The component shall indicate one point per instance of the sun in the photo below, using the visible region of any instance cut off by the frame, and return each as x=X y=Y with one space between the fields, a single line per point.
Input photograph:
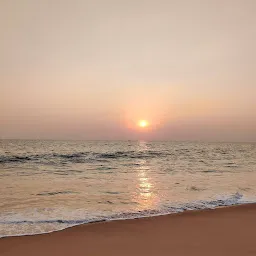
x=143 y=123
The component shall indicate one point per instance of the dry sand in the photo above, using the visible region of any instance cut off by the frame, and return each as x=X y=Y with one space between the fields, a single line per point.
x=224 y=231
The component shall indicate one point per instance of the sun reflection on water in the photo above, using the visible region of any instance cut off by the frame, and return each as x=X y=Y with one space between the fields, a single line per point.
x=145 y=195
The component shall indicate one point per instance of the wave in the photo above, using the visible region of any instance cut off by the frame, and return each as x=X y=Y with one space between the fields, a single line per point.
x=55 y=193
x=234 y=199
x=5 y=159
x=82 y=156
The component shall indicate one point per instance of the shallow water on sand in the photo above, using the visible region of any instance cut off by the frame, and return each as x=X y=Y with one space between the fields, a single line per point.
x=51 y=185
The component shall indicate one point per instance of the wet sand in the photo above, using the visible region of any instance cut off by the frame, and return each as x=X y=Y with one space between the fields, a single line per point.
x=224 y=231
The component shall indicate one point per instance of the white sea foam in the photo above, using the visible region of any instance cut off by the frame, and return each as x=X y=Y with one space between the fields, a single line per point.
x=18 y=225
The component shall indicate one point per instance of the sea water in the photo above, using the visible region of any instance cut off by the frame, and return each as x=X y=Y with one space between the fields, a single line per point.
x=51 y=185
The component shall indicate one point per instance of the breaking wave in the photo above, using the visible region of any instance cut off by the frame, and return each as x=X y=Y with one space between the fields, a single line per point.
x=59 y=224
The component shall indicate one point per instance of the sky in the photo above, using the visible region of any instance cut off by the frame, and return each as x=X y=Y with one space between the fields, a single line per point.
x=91 y=69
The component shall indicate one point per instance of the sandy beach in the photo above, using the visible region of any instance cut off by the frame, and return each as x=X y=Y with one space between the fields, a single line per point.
x=224 y=231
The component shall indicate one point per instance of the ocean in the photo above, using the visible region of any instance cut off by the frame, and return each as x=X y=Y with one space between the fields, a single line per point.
x=51 y=185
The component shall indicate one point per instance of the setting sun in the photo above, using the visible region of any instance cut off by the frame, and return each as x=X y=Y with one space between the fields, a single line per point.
x=143 y=123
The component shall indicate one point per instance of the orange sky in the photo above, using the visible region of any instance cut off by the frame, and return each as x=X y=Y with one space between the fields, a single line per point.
x=93 y=69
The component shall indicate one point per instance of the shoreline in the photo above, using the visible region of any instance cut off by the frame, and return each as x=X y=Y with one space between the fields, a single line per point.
x=230 y=231
x=131 y=218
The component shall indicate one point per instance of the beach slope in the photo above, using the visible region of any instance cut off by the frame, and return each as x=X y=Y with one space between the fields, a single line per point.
x=224 y=231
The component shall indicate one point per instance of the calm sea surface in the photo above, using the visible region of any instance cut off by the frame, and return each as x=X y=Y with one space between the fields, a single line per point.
x=51 y=185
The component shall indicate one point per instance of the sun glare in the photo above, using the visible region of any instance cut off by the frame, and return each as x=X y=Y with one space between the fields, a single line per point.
x=143 y=123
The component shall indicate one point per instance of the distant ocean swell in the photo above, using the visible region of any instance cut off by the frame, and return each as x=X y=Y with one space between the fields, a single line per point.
x=90 y=155
x=235 y=199
x=82 y=156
